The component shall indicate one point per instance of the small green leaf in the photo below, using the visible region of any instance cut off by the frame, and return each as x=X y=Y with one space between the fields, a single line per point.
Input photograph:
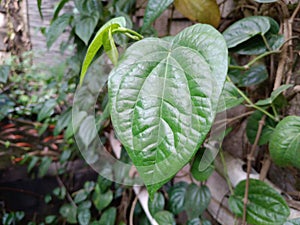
x=97 y=43
x=63 y=121
x=153 y=10
x=230 y=97
x=274 y=95
x=285 y=142
x=164 y=218
x=87 y=130
x=85 y=26
x=110 y=47
x=102 y=200
x=196 y=200
x=47 y=109
x=50 y=219
x=84 y=216
x=255 y=75
x=265 y=205
x=44 y=166
x=4 y=73
x=252 y=128
x=108 y=216
x=195 y=170
x=157 y=203
x=164 y=98
x=176 y=197
x=33 y=162
x=246 y=28
x=56 y=28
x=69 y=212
x=80 y=196
x=256 y=45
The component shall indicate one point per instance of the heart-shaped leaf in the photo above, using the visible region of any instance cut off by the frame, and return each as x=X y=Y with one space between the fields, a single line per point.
x=157 y=204
x=202 y=11
x=196 y=200
x=285 y=142
x=164 y=97
x=265 y=205
x=255 y=75
x=176 y=197
x=246 y=28
x=164 y=218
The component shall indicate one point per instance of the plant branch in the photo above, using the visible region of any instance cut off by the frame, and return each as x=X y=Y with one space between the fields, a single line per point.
x=251 y=104
x=249 y=64
x=132 y=210
x=250 y=158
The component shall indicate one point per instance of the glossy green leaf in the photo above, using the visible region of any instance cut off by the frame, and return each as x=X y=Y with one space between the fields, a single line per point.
x=201 y=175
x=110 y=48
x=84 y=216
x=265 y=205
x=153 y=10
x=63 y=121
x=50 y=219
x=164 y=98
x=108 y=216
x=256 y=45
x=85 y=26
x=97 y=43
x=56 y=28
x=102 y=200
x=164 y=218
x=44 y=166
x=255 y=75
x=87 y=130
x=246 y=28
x=69 y=212
x=80 y=196
x=252 y=128
x=285 y=142
x=230 y=97
x=176 y=197
x=275 y=94
x=47 y=109
x=4 y=72
x=157 y=203
x=196 y=200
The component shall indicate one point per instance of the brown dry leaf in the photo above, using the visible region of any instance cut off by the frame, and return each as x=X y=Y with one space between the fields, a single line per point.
x=202 y=11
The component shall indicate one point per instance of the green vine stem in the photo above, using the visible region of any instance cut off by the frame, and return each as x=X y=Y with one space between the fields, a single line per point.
x=251 y=104
x=249 y=64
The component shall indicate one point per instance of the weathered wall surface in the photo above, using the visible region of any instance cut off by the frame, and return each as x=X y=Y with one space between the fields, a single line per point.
x=38 y=40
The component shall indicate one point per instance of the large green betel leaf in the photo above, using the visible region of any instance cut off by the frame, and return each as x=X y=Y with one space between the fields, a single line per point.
x=265 y=205
x=285 y=142
x=164 y=97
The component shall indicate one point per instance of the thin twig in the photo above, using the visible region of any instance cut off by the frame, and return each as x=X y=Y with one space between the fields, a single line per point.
x=132 y=210
x=61 y=184
x=250 y=158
